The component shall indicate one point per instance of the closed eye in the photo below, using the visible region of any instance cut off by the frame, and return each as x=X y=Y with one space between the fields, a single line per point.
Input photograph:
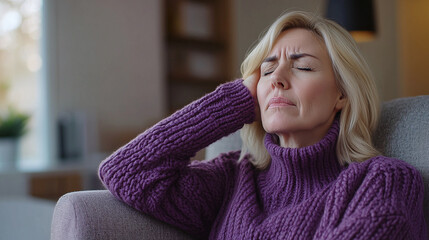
x=308 y=69
x=268 y=73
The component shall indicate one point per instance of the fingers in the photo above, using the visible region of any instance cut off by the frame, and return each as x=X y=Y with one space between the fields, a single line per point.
x=251 y=83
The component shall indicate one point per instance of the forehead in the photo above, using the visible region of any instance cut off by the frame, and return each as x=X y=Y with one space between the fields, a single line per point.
x=299 y=40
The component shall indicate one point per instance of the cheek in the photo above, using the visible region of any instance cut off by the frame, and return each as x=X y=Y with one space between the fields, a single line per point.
x=312 y=92
x=319 y=96
x=260 y=93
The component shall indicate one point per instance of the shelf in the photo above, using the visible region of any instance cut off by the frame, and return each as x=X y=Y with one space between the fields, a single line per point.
x=197 y=44
x=181 y=94
x=193 y=42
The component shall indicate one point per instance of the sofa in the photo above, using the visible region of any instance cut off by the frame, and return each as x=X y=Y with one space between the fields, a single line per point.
x=403 y=133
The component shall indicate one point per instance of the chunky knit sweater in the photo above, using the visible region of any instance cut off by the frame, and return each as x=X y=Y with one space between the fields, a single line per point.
x=303 y=194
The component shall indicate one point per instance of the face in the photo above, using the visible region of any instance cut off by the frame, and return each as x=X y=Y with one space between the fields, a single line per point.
x=297 y=93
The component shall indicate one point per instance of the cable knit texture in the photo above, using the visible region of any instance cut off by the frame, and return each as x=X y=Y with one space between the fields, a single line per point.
x=303 y=194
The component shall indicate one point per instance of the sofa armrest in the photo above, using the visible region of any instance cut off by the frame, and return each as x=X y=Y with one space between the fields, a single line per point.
x=98 y=214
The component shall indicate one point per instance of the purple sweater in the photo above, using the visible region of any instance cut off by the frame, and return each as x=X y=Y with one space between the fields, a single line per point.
x=303 y=194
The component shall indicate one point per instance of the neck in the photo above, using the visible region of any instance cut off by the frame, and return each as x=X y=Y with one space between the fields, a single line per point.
x=296 y=173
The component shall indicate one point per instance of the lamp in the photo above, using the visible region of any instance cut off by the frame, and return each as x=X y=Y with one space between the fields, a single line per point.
x=356 y=16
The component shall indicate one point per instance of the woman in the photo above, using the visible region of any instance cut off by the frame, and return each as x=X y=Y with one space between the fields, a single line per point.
x=308 y=169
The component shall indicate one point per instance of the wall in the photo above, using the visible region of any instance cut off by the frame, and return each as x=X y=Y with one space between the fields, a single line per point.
x=382 y=53
x=104 y=59
x=413 y=22
x=253 y=17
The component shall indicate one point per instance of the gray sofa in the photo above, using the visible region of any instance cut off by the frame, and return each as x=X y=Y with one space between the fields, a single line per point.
x=403 y=133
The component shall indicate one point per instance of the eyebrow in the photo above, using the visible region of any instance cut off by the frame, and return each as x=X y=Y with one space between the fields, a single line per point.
x=270 y=59
x=293 y=56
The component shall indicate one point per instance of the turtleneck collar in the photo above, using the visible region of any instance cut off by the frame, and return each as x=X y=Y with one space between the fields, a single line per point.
x=296 y=173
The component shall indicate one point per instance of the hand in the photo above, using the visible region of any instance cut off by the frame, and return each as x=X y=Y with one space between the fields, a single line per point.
x=251 y=82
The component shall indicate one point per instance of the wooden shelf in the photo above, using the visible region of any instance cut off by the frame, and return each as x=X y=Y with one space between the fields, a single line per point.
x=197 y=48
x=181 y=94
x=53 y=186
x=196 y=42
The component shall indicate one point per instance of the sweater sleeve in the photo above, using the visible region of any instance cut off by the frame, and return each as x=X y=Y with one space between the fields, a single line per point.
x=153 y=173
x=383 y=199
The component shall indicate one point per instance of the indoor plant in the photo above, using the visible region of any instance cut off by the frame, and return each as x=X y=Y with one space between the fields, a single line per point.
x=12 y=127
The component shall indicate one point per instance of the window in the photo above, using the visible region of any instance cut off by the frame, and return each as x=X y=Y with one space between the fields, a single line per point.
x=20 y=64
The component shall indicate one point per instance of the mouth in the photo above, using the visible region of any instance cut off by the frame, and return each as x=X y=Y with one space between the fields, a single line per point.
x=280 y=102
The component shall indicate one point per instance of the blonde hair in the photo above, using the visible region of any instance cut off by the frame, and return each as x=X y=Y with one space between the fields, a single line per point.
x=359 y=116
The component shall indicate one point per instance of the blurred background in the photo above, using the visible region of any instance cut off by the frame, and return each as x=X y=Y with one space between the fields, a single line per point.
x=80 y=78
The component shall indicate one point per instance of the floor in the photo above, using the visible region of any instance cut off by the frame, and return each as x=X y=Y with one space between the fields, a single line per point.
x=25 y=218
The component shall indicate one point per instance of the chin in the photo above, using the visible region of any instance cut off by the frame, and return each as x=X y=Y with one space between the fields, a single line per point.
x=276 y=129
x=276 y=125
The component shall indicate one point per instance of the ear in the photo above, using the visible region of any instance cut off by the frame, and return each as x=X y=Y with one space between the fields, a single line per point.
x=341 y=102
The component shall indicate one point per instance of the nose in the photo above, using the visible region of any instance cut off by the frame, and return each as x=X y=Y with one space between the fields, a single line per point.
x=280 y=78
x=280 y=84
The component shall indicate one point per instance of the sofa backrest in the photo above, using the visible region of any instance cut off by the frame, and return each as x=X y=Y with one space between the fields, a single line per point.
x=403 y=133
